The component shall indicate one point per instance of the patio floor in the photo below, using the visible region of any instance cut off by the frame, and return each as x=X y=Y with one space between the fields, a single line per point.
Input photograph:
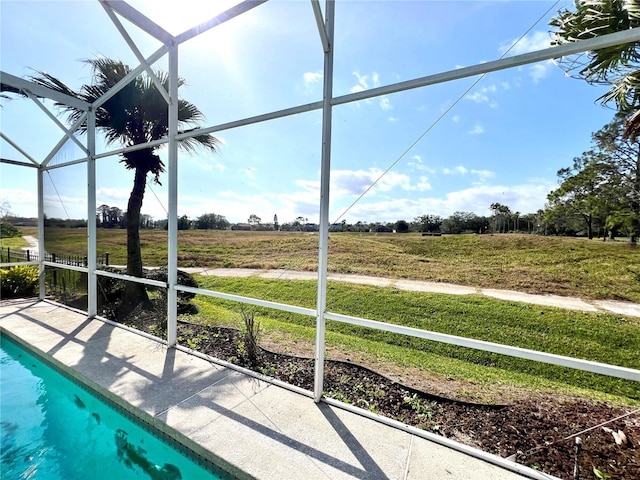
x=264 y=430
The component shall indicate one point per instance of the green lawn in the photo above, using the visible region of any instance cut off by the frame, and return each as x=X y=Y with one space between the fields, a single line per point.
x=589 y=269
x=533 y=264
x=592 y=336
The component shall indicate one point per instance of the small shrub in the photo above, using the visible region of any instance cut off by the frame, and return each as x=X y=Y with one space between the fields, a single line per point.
x=251 y=336
x=19 y=281
x=8 y=230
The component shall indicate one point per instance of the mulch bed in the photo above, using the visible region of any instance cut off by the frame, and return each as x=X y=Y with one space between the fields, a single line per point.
x=541 y=430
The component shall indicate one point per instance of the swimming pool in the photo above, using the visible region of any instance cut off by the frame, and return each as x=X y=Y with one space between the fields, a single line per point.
x=52 y=428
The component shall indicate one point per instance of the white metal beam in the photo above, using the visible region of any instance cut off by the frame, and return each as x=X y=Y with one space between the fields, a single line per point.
x=92 y=249
x=136 y=51
x=64 y=140
x=130 y=76
x=218 y=19
x=172 y=227
x=68 y=132
x=612 y=39
x=16 y=162
x=308 y=107
x=43 y=92
x=140 y=20
x=41 y=251
x=317 y=12
x=578 y=364
x=325 y=178
x=19 y=149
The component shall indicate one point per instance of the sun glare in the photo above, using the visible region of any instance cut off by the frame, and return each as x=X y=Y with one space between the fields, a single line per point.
x=179 y=16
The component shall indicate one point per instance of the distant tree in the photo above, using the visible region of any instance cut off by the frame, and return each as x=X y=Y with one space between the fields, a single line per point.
x=603 y=185
x=254 y=220
x=427 y=223
x=184 y=223
x=461 y=222
x=501 y=214
x=212 y=221
x=146 y=221
x=299 y=223
x=103 y=214
x=402 y=226
x=5 y=209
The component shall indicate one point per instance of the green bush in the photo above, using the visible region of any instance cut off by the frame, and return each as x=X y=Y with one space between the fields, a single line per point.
x=19 y=281
x=7 y=230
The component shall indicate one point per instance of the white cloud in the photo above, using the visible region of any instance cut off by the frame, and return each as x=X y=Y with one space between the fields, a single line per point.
x=385 y=103
x=363 y=83
x=455 y=118
x=524 y=198
x=478 y=97
x=482 y=95
x=370 y=81
x=537 y=40
x=540 y=70
x=312 y=77
x=250 y=172
x=457 y=170
x=21 y=202
x=483 y=174
x=477 y=129
x=355 y=182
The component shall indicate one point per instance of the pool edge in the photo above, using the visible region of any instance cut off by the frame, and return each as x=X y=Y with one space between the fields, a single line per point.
x=145 y=420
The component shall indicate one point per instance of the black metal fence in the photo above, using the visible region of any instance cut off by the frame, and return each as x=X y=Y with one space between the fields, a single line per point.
x=8 y=255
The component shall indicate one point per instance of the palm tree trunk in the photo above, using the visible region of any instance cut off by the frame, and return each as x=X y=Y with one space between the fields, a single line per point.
x=135 y=293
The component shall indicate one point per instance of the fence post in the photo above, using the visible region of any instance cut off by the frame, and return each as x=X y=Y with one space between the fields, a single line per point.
x=106 y=259
x=28 y=256
x=86 y=261
x=55 y=272
x=8 y=255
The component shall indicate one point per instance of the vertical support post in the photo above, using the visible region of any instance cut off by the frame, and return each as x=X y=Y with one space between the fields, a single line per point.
x=172 y=228
x=41 y=250
x=325 y=174
x=92 y=249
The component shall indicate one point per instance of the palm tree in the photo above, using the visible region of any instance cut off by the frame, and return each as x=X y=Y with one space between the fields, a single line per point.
x=135 y=115
x=618 y=66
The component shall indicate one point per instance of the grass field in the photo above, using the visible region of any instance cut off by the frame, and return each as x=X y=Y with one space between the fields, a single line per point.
x=589 y=269
x=597 y=337
x=565 y=266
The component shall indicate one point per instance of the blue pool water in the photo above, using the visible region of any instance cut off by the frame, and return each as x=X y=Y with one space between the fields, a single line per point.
x=51 y=428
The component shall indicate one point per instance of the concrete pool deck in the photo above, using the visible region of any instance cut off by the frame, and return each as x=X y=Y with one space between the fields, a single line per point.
x=264 y=430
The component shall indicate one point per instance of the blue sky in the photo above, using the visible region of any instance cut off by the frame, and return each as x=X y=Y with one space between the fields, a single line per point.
x=503 y=142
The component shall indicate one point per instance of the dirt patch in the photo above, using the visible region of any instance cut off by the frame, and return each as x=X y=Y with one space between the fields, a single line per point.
x=541 y=431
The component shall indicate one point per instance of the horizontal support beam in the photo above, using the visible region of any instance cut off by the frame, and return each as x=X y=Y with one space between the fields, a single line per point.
x=251 y=120
x=141 y=21
x=19 y=149
x=612 y=39
x=218 y=19
x=42 y=92
x=63 y=266
x=251 y=301
x=578 y=364
x=17 y=264
x=131 y=278
x=16 y=162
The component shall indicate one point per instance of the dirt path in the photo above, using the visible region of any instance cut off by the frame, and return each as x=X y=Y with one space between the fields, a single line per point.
x=570 y=303
x=32 y=241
